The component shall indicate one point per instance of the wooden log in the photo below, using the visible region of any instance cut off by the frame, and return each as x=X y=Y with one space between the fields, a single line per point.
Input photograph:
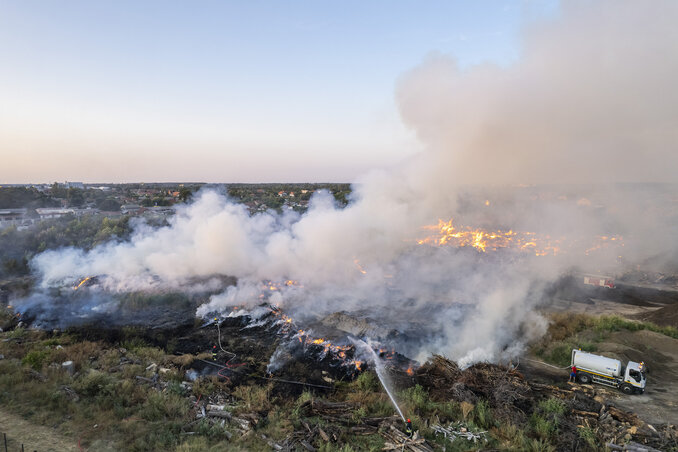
x=307 y=446
x=323 y=434
x=585 y=413
x=270 y=443
x=623 y=416
x=220 y=414
x=306 y=426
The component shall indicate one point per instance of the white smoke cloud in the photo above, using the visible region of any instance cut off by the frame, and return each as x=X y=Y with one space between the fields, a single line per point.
x=591 y=100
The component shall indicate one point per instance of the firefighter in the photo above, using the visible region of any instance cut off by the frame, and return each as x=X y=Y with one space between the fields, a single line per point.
x=408 y=428
x=573 y=374
x=214 y=353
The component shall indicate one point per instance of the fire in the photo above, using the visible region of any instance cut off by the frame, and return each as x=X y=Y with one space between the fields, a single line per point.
x=410 y=371
x=275 y=286
x=360 y=267
x=602 y=242
x=304 y=337
x=82 y=282
x=446 y=233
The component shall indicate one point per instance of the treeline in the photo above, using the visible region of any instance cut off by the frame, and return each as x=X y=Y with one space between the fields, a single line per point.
x=18 y=247
x=18 y=197
x=268 y=193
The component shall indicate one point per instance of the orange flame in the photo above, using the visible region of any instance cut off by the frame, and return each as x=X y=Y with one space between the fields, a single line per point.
x=83 y=282
x=446 y=233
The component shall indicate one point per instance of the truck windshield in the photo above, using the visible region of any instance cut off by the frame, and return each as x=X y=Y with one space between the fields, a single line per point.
x=636 y=375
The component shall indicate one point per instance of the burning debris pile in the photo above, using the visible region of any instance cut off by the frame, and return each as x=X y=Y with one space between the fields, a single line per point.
x=446 y=234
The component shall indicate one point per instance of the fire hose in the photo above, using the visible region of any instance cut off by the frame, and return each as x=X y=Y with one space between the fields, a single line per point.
x=545 y=364
x=260 y=376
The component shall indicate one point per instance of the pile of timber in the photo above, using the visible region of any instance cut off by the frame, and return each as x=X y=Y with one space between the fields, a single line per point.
x=397 y=440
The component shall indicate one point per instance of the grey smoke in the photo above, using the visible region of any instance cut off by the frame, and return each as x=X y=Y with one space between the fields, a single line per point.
x=591 y=101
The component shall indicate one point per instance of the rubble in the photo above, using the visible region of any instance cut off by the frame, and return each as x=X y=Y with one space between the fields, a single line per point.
x=459 y=430
x=397 y=440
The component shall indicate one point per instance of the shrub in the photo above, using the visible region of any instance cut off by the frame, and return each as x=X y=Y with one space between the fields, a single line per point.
x=163 y=407
x=417 y=398
x=553 y=406
x=546 y=418
x=589 y=436
x=36 y=358
x=482 y=415
x=367 y=381
x=95 y=383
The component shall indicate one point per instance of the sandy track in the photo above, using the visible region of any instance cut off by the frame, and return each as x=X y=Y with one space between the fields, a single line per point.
x=33 y=437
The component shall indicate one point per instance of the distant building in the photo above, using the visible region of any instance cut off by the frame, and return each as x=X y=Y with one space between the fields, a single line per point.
x=48 y=213
x=74 y=185
x=130 y=208
x=158 y=211
x=13 y=217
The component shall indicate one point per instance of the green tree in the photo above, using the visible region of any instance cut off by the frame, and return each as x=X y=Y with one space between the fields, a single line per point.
x=109 y=205
x=185 y=193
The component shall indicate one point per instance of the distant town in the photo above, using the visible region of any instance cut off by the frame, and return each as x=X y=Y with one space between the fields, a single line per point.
x=22 y=206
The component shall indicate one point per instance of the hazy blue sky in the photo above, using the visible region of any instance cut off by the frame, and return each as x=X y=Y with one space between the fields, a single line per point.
x=225 y=91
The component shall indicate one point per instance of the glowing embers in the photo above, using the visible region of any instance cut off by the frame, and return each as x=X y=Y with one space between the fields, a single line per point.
x=343 y=354
x=359 y=267
x=275 y=286
x=604 y=241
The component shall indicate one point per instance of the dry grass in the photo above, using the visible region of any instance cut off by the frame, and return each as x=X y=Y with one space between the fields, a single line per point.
x=254 y=398
x=182 y=361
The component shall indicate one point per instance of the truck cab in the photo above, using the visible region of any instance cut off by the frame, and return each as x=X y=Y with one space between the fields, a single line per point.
x=635 y=377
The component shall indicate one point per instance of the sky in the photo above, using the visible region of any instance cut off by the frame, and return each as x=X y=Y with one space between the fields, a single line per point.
x=226 y=91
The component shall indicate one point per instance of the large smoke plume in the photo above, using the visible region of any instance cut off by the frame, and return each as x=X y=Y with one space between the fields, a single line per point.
x=591 y=100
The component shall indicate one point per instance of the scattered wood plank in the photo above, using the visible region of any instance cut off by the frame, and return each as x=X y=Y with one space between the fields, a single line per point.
x=220 y=414
x=323 y=435
x=585 y=413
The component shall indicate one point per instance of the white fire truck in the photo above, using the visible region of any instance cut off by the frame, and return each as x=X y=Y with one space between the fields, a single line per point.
x=609 y=372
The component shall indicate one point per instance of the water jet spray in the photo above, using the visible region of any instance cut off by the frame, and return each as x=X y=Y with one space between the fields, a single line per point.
x=379 y=368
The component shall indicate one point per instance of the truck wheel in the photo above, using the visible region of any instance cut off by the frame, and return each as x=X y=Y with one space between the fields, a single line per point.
x=626 y=389
x=584 y=379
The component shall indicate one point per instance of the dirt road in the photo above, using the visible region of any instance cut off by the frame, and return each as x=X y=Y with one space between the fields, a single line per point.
x=659 y=403
x=33 y=437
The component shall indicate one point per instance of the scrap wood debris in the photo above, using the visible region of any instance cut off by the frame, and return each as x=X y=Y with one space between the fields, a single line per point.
x=459 y=430
x=397 y=440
